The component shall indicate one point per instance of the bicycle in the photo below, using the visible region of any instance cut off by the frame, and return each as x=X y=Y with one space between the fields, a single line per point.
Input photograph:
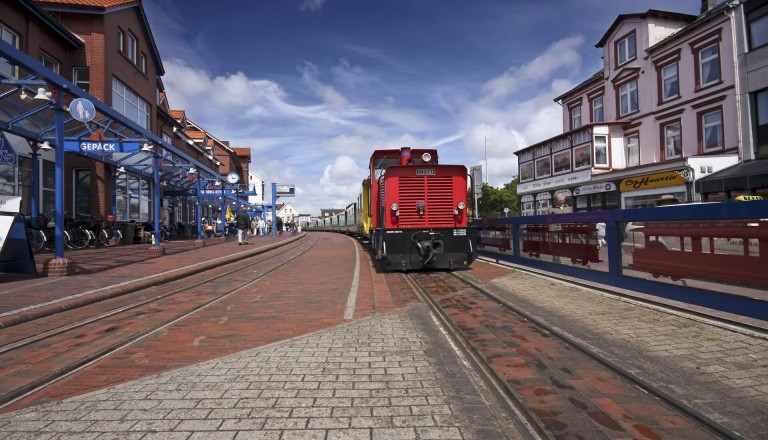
x=34 y=233
x=108 y=234
x=79 y=236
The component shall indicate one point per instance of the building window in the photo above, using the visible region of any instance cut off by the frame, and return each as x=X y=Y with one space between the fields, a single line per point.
x=673 y=140
x=712 y=130
x=628 y=98
x=761 y=119
x=133 y=198
x=633 y=149
x=625 y=49
x=81 y=76
x=120 y=41
x=670 y=86
x=129 y=104
x=758 y=28
x=83 y=194
x=49 y=62
x=130 y=48
x=143 y=63
x=601 y=150
x=575 y=117
x=709 y=65
x=597 y=110
x=7 y=69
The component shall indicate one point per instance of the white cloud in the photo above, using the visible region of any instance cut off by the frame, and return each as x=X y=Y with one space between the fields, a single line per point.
x=561 y=55
x=342 y=179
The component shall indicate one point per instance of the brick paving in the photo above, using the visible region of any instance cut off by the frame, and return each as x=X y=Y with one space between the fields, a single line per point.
x=721 y=373
x=276 y=361
x=303 y=372
x=386 y=377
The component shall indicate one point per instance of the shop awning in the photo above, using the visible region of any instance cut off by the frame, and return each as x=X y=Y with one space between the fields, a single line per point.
x=742 y=177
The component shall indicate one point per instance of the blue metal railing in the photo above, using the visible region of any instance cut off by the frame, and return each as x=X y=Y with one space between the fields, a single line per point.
x=704 y=265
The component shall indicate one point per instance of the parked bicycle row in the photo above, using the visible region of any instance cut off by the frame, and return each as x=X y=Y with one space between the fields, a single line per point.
x=79 y=233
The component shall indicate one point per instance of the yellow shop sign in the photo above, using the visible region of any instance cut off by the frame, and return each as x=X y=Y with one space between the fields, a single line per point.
x=648 y=181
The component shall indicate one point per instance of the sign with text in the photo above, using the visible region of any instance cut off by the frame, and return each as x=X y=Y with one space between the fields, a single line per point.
x=101 y=147
x=285 y=190
x=656 y=180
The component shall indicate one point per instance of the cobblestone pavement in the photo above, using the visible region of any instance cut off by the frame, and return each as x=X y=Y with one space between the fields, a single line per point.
x=386 y=377
x=720 y=372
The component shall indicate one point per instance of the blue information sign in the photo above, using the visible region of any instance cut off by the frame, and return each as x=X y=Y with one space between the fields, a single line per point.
x=82 y=109
x=101 y=147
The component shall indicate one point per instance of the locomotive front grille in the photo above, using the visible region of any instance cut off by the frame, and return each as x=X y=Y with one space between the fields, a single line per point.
x=437 y=194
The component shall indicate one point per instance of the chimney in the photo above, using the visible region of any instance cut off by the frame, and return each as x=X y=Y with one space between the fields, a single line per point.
x=706 y=5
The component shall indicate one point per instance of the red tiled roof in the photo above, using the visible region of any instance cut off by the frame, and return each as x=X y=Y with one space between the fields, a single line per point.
x=176 y=114
x=106 y=4
x=195 y=134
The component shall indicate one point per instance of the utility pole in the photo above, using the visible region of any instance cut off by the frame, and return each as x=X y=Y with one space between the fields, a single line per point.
x=486 y=159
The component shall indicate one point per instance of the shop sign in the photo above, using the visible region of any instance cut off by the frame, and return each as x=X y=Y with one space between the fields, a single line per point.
x=101 y=147
x=554 y=182
x=594 y=188
x=656 y=180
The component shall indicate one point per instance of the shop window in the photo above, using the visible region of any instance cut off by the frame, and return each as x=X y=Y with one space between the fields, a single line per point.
x=132 y=198
x=527 y=205
x=596 y=202
x=612 y=200
x=543 y=201
x=6 y=68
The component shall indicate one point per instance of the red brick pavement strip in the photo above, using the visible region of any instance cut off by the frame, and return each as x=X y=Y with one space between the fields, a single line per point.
x=568 y=392
x=108 y=272
x=306 y=296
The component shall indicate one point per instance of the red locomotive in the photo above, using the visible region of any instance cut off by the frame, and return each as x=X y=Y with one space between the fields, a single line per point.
x=418 y=211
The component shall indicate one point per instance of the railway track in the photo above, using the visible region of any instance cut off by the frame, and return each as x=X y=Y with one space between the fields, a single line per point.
x=40 y=353
x=553 y=383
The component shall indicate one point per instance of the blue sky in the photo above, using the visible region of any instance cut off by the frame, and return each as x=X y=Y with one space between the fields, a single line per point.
x=314 y=86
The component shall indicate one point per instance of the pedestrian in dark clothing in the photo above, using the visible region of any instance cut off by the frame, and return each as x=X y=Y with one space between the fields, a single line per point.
x=279 y=227
x=242 y=223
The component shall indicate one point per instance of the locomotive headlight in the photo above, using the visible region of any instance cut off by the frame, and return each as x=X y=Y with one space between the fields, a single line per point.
x=461 y=206
x=393 y=206
x=426 y=157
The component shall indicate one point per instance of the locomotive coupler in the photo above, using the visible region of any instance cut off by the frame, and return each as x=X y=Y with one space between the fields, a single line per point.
x=429 y=244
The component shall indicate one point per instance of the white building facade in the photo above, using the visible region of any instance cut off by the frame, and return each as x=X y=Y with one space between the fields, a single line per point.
x=661 y=114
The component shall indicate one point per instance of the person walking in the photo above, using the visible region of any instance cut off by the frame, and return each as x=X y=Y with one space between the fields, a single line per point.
x=560 y=207
x=242 y=223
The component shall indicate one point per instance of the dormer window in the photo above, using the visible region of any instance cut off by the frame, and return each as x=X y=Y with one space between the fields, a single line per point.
x=626 y=50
